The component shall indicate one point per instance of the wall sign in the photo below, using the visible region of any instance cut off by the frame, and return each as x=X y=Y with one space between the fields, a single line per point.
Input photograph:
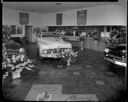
x=24 y=18
x=59 y=19
x=81 y=17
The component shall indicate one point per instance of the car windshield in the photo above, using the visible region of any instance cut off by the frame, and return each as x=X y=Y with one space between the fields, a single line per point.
x=49 y=35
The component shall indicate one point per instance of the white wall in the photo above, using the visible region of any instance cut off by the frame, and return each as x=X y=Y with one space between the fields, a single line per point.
x=11 y=17
x=106 y=15
x=49 y=19
x=69 y=17
x=100 y=15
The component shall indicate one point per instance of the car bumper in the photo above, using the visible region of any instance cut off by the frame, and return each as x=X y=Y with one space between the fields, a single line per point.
x=116 y=62
x=50 y=56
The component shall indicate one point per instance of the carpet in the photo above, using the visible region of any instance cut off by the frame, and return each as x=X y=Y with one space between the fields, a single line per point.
x=54 y=93
x=74 y=67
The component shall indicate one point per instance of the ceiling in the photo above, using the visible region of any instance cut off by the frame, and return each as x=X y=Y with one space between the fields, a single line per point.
x=50 y=7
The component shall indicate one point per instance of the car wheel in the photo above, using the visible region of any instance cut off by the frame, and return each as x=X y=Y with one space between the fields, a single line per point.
x=111 y=67
x=38 y=55
x=38 y=52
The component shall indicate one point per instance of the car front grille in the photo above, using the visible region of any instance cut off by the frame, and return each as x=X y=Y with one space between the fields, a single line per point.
x=49 y=51
x=116 y=57
x=115 y=54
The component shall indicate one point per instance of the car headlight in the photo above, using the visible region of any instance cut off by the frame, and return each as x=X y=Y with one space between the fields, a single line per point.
x=44 y=51
x=106 y=50
x=123 y=51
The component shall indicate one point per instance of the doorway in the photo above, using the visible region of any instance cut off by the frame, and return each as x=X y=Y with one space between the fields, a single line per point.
x=28 y=33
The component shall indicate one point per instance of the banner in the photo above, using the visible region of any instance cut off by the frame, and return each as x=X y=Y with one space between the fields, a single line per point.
x=81 y=17
x=24 y=18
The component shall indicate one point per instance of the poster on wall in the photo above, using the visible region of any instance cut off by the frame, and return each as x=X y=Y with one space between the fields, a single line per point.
x=59 y=19
x=24 y=18
x=81 y=17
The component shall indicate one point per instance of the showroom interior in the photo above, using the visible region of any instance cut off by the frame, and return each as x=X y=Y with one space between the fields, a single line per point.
x=64 y=51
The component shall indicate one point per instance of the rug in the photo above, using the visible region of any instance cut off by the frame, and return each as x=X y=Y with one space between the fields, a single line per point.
x=74 y=67
x=36 y=89
x=54 y=93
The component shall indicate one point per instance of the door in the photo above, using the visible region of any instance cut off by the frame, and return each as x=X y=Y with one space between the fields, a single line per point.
x=28 y=33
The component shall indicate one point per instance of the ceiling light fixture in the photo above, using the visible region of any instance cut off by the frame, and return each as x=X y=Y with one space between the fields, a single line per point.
x=58 y=3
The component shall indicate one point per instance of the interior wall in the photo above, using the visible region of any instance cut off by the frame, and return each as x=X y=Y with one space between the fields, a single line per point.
x=106 y=15
x=69 y=18
x=49 y=19
x=11 y=17
x=100 y=15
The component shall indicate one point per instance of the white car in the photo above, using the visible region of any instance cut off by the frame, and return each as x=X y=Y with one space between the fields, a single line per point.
x=50 y=45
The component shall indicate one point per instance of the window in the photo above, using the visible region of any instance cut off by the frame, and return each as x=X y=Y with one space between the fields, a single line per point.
x=108 y=28
x=16 y=29
x=19 y=29
x=13 y=27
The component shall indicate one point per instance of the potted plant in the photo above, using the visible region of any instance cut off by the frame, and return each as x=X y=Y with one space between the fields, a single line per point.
x=68 y=55
x=6 y=32
x=14 y=64
x=36 y=30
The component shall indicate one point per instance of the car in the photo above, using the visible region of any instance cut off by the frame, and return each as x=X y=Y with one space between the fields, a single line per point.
x=11 y=47
x=69 y=37
x=50 y=45
x=116 y=55
x=21 y=40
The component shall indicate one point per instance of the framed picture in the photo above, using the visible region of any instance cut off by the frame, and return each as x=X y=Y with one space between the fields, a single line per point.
x=24 y=18
x=81 y=17
x=59 y=19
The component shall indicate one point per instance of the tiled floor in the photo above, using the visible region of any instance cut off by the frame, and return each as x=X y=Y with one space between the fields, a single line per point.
x=88 y=75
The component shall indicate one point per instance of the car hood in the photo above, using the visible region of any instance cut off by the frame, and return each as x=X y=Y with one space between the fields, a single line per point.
x=13 y=45
x=54 y=43
x=120 y=47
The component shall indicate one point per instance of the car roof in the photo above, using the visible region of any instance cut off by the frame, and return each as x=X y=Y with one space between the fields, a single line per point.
x=46 y=33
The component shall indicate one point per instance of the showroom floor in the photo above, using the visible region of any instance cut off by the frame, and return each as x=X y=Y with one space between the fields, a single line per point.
x=89 y=75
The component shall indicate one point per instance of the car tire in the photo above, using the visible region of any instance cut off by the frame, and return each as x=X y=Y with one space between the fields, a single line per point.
x=111 y=67
x=37 y=52
x=38 y=55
